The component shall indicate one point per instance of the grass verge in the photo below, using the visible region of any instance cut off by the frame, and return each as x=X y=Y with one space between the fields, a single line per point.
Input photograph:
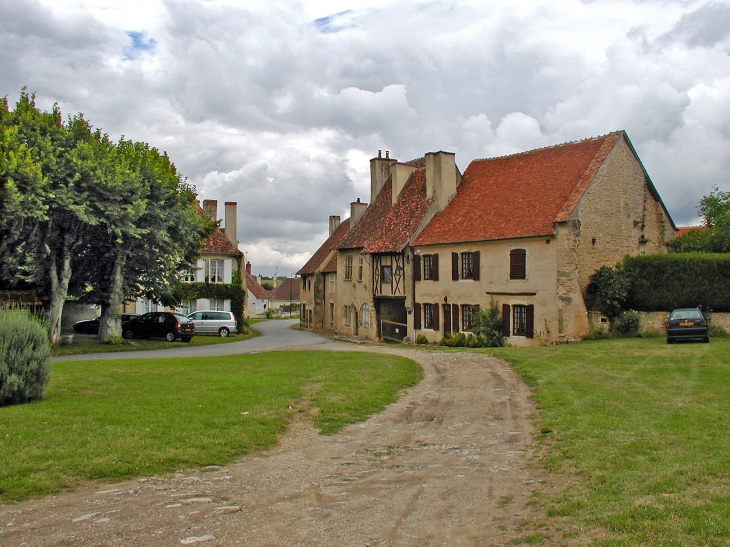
x=646 y=427
x=87 y=343
x=111 y=420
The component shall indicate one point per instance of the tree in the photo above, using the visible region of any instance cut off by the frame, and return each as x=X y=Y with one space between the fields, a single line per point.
x=714 y=235
x=608 y=291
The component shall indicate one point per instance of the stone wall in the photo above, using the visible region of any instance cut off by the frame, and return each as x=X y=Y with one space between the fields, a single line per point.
x=655 y=320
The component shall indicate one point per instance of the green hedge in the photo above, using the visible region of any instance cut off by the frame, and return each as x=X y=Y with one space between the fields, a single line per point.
x=686 y=280
x=24 y=352
x=216 y=291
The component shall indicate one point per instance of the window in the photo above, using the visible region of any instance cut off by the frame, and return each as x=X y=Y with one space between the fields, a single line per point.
x=348 y=268
x=332 y=313
x=148 y=306
x=519 y=320
x=517 y=264
x=332 y=284
x=309 y=283
x=365 y=316
x=467 y=317
x=428 y=316
x=188 y=277
x=359 y=269
x=386 y=274
x=346 y=316
x=304 y=283
x=216 y=271
x=427 y=267
x=187 y=307
x=467 y=265
x=216 y=305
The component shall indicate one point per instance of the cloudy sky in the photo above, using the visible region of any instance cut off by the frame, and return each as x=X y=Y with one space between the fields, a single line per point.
x=279 y=105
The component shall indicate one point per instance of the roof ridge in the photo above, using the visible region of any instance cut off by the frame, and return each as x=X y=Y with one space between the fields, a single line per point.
x=551 y=146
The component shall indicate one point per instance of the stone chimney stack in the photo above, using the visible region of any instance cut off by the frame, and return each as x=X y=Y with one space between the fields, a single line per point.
x=400 y=174
x=210 y=208
x=356 y=211
x=248 y=268
x=231 y=223
x=334 y=224
x=440 y=178
x=379 y=173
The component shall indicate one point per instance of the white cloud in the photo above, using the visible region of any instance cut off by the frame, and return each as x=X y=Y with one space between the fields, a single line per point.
x=260 y=103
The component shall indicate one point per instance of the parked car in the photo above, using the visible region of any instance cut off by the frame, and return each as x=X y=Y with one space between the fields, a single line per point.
x=165 y=325
x=214 y=322
x=91 y=326
x=687 y=323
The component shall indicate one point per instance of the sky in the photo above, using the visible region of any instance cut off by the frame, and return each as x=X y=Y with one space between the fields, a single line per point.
x=280 y=105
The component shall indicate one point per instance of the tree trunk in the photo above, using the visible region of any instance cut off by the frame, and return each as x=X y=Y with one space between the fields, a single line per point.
x=60 y=274
x=110 y=322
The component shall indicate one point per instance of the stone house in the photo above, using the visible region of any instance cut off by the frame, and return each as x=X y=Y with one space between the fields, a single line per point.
x=257 y=298
x=285 y=295
x=526 y=231
x=219 y=262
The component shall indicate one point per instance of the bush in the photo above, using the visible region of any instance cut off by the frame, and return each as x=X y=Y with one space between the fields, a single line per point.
x=607 y=291
x=421 y=339
x=670 y=281
x=24 y=352
x=626 y=325
x=488 y=325
x=114 y=340
x=598 y=334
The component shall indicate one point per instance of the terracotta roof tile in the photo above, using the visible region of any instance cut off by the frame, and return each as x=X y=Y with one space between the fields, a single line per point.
x=289 y=289
x=681 y=230
x=360 y=233
x=257 y=290
x=521 y=195
x=314 y=263
x=331 y=266
x=404 y=217
x=217 y=243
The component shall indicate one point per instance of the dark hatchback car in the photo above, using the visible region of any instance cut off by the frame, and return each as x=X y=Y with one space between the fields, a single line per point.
x=165 y=325
x=91 y=326
x=687 y=323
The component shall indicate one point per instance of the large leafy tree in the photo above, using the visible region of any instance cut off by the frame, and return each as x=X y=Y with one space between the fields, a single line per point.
x=714 y=235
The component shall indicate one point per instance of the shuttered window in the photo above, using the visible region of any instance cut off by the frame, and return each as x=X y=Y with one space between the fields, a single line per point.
x=467 y=266
x=517 y=264
x=467 y=317
x=428 y=316
x=519 y=320
x=417 y=316
x=427 y=266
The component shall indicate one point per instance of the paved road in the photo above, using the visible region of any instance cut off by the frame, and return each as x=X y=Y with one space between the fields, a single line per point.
x=275 y=334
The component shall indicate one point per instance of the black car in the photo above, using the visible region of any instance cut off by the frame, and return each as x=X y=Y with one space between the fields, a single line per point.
x=687 y=323
x=165 y=325
x=91 y=326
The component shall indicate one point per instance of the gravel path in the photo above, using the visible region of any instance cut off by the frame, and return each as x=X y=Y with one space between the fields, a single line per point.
x=447 y=464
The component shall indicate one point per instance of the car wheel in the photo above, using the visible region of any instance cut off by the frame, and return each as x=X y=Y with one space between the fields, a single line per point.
x=186 y=339
x=128 y=334
x=223 y=332
x=170 y=337
x=669 y=340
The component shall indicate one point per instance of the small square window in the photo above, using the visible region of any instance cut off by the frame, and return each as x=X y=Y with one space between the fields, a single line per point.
x=386 y=274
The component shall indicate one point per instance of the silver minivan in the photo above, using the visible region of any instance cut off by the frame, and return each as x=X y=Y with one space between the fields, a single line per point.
x=214 y=322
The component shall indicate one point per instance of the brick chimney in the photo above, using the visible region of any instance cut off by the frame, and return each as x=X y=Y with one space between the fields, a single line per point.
x=210 y=208
x=356 y=211
x=440 y=178
x=400 y=174
x=379 y=173
x=231 y=223
x=248 y=268
x=334 y=224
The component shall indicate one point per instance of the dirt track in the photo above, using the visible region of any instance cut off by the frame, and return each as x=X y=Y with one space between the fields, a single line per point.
x=448 y=464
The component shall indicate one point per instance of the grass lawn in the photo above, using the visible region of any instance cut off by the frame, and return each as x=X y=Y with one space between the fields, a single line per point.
x=88 y=343
x=111 y=420
x=645 y=426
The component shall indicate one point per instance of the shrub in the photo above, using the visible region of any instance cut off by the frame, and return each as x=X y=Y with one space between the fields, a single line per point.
x=421 y=339
x=114 y=340
x=488 y=324
x=627 y=324
x=24 y=352
x=598 y=334
x=608 y=291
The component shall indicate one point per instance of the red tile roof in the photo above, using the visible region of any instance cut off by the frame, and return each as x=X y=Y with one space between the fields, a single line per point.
x=521 y=195
x=331 y=266
x=399 y=225
x=289 y=289
x=257 y=290
x=314 y=263
x=359 y=235
x=217 y=243
x=681 y=230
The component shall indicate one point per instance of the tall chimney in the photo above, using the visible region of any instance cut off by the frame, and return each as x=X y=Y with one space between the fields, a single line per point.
x=231 y=223
x=248 y=268
x=334 y=224
x=400 y=173
x=210 y=208
x=440 y=178
x=356 y=211
x=379 y=173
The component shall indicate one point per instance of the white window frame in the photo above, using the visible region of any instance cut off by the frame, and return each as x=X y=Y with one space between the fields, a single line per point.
x=216 y=305
x=365 y=315
x=216 y=271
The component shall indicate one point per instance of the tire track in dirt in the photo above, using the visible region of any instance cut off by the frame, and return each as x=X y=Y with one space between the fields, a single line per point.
x=447 y=464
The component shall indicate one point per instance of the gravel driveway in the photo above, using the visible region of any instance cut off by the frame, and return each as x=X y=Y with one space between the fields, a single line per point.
x=447 y=464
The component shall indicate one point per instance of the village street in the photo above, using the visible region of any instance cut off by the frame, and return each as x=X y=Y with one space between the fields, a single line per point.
x=448 y=464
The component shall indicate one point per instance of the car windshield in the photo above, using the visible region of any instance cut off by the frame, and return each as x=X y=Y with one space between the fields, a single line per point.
x=686 y=314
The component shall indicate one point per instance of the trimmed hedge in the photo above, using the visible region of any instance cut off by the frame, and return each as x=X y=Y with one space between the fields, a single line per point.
x=685 y=280
x=24 y=352
x=215 y=291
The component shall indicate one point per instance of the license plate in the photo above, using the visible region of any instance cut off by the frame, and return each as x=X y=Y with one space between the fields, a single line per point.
x=686 y=324
x=188 y=329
